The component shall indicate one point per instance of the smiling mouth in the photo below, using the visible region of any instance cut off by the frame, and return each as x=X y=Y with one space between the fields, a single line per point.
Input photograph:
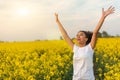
x=78 y=39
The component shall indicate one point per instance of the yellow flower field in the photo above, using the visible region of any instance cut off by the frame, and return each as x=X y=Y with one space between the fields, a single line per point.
x=107 y=59
x=52 y=60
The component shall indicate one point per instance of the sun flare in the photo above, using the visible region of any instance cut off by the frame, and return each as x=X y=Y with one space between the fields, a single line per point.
x=23 y=12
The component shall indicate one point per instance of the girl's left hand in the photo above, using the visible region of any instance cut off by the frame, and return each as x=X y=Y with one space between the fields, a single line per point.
x=107 y=12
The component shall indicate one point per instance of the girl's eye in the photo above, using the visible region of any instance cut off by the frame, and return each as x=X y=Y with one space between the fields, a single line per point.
x=79 y=35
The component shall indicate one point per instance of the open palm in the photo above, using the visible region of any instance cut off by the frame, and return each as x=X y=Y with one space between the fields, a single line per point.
x=107 y=12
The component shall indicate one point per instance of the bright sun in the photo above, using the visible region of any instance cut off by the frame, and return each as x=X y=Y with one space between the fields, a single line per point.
x=23 y=12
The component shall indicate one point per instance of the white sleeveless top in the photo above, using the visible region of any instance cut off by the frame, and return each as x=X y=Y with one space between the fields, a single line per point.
x=83 y=63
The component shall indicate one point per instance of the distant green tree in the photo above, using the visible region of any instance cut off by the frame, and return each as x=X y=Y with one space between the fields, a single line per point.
x=1 y=41
x=105 y=34
x=99 y=34
x=61 y=38
x=117 y=35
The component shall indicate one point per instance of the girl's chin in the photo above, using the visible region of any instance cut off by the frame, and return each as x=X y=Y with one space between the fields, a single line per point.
x=78 y=41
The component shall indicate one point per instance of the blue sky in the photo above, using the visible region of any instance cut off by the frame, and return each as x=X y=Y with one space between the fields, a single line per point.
x=26 y=20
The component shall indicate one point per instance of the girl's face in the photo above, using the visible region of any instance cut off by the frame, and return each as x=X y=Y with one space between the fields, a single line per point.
x=81 y=38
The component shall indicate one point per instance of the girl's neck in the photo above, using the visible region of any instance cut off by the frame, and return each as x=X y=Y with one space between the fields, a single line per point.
x=82 y=45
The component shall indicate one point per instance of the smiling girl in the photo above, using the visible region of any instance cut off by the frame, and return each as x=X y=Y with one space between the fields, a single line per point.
x=83 y=53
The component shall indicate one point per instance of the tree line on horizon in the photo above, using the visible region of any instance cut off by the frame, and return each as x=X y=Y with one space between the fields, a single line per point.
x=103 y=34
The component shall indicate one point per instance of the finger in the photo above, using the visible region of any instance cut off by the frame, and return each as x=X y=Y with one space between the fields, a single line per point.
x=102 y=9
x=109 y=7
x=111 y=12
x=113 y=9
x=56 y=14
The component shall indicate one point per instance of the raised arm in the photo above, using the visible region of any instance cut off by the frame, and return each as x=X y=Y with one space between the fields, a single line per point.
x=109 y=11
x=63 y=32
